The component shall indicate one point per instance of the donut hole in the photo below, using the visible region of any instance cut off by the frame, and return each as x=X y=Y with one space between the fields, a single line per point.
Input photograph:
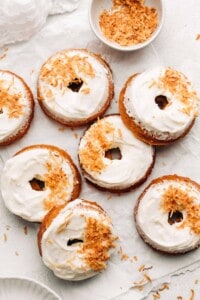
x=75 y=85
x=175 y=217
x=74 y=241
x=113 y=153
x=161 y=101
x=37 y=184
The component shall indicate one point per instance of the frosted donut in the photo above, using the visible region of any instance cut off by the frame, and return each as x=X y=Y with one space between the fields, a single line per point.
x=38 y=178
x=167 y=214
x=75 y=87
x=77 y=240
x=112 y=158
x=16 y=107
x=159 y=105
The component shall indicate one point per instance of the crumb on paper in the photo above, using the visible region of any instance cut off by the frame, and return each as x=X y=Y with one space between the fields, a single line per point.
x=7 y=227
x=3 y=56
x=5 y=237
x=156 y=295
x=25 y=230
x=62 y=128
x=109 y=197
x=192 y=295
x=76 y=135
x=146 y=278
x=141 y=268
x=196 y=281
x=16 y=253
x=198 y=37
x=32 y=71
x=123 y=255
x=165 y=286
x=128 y=22
x=179 y=298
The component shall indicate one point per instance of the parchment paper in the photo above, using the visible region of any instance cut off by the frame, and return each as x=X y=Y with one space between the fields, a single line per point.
x=176 y=46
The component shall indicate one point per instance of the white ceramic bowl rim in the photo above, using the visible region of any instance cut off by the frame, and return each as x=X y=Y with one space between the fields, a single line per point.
x=31 y=280
x=131 y=47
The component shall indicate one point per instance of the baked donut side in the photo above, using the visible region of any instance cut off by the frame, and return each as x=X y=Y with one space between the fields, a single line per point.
x=167 y=214
x=38 y=178
x=76 y=240
x=92 y=103
x=112 y=158
x=16 y=108
x=159 y=106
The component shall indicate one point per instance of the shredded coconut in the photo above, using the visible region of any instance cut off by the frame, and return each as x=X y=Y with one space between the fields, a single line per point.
x=177 y=84
x=175 y=199
x=128 y=22
x=98 y=241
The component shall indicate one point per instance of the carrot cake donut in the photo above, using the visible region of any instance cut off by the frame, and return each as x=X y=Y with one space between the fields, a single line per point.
x=76 y=240
x=159 y=105
x=75 y=87
x=112 y=158
x=16 y=107
x=167 y=214
x=38 y=178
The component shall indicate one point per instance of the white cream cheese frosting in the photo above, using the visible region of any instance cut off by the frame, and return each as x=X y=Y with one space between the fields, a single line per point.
x=139 y=101
x=15 y=105
x=136 y=157
x=152 y=221
x=21 y=19
x=63 y=241
x=49 y=166
x=62 y=101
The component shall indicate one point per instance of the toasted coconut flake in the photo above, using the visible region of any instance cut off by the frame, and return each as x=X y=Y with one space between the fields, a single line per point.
x=128 y=22
x=10 y=101
x=63 y=70
x=198 y=37
x=91 y=156
x=156 y=295
x=165 y=286
x=176 y=199
x=56 y=181
x=98 y=240
x=192 y=295
x=85 y=91
x=177 y=84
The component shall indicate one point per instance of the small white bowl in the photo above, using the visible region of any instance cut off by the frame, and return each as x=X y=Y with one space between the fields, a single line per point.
x=97 y=6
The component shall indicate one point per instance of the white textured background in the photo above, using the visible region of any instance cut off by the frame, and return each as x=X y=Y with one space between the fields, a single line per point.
x=176 y=46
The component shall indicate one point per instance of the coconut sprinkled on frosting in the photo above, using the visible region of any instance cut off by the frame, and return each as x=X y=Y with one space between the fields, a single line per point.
x=178 y=84
x=98 y=240
x=63 y=70
x=10 y=101
x=128 y=22
x=176 y=199
x=91 y=156
x=55 y=180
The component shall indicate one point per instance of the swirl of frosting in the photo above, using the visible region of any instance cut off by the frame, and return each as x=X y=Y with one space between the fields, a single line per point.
x=167 y=214
x=16 y=107
x=77 y=240
x=161 y=102
x=131 y=167
x=38 y=178
x=75 y=86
